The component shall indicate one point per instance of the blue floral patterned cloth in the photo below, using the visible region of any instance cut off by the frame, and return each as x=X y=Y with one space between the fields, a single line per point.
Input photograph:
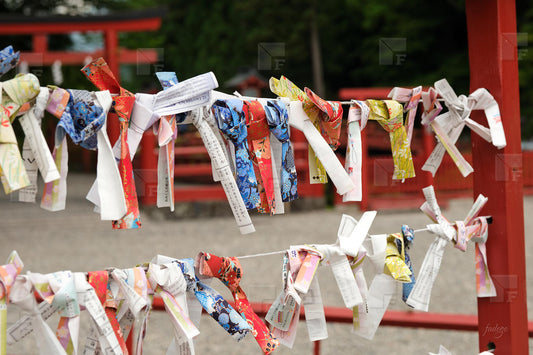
x=278 y=122
x=82 y=119
x=232 y=123
x=8 y=59
x=213 y=303
x=408 y=237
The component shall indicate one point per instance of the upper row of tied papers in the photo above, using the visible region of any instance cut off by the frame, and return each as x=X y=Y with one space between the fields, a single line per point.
x=247 y=138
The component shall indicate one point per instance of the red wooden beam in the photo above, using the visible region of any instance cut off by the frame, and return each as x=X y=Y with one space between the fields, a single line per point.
x=125 y=56
x=410 y=319
x=129 y=21
x=498 y=174
x=363 y=93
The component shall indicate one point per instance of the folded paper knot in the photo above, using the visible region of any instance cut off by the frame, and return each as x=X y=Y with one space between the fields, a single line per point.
x=14 y=93
x=231 y=120
x=260 y=150
x=58 y=101
x=329 y=118
x=448 y=126
x=168 y=277
x=389 y=114
x=168 y=282
x=410 y=97
x=20 y=90
x=99 y=73
x=22 y=294
x=478 y=230
x=81 y=120
x=395 y=259
x=403 y=245
x=187 y=268
x=285 y=88
x=8 y=59
x=8 y=274
x=278 y=122
x=229 y=271
x=99 y=280
x=232 y=123
x=256 y=122
x=358 y=112
x=432 y=106
x=213 y=303
x=421 y=292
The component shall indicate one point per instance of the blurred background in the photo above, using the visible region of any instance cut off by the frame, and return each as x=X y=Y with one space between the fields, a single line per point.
x=325 y=45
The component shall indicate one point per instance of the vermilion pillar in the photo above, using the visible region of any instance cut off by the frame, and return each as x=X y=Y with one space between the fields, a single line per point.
x=498 y=174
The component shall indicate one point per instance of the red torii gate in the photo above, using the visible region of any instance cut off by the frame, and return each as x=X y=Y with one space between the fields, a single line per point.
x=39 y=27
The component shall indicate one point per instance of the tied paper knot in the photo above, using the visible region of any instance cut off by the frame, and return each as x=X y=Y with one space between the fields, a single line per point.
x=395 y=259
x=82 y=118
x=210 y=300
x=448 y=126
x=229 y=271
x=475 y=228
x=35 y=152
x=410 y=97
x=232 y=123
x=329 y=118
x=403 y=244
x=99 y=73
x=22 y=295
x=421 y=292
x=59 y=289
x=260 y=150
x=14 y=94
x=99 y=280
x=350 y=237
x=432 y=106
x=303 y=116
x=278 y=122
x=8 y=275
x=168 y=282
x=286 y=88
x=389 y=114
x=8 y=59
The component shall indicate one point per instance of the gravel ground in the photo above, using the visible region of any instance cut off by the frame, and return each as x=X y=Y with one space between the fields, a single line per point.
x=77 y=240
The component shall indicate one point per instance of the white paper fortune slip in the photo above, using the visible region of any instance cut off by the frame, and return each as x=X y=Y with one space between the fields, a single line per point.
x=357 y=119
x=299 y=120
x=421 y=293
x=448 y=126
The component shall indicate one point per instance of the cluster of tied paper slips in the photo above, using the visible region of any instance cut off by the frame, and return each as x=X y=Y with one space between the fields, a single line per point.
x=118 y=301
x=248 y=139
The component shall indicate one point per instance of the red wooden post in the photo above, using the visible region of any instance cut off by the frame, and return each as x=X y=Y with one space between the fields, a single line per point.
x=40 y=43
x=316 y=347
x=498 y=174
